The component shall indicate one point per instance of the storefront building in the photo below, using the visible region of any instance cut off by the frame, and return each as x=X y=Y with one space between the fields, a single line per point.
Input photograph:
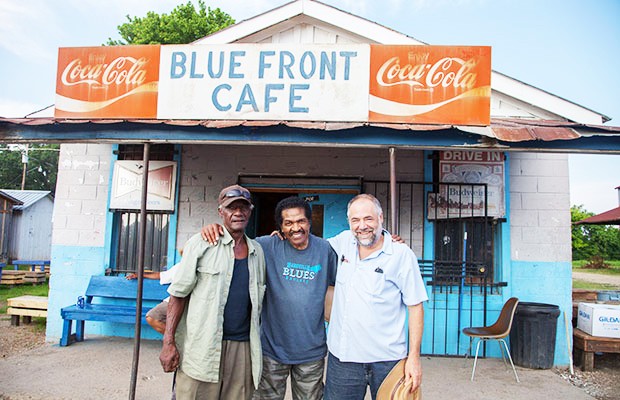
x=484 y=203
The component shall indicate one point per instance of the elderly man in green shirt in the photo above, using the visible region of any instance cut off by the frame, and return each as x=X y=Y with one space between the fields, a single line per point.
x=212 y=330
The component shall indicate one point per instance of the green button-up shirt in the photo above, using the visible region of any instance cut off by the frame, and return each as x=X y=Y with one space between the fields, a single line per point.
x=204 y=274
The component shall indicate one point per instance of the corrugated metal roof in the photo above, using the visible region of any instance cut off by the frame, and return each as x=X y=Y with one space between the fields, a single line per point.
x=611 y=217
x=27 y=197
x=9 y=197
x=502 y=129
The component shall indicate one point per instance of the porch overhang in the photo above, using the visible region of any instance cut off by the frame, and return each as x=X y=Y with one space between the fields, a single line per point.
x=504 y=134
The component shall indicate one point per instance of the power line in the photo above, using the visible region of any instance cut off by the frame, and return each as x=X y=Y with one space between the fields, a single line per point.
x=34 y=112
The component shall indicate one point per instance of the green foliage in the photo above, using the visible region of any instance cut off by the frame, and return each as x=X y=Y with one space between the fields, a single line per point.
x=183 y=25
x=41 y=169
x=593 y=240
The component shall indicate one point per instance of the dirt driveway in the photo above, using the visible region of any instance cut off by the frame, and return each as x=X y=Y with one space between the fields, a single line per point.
x=613 y=280
x=100 y=368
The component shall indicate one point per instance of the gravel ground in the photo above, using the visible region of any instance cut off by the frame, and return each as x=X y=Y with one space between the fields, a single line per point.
x=603 y=383
x=18 y=339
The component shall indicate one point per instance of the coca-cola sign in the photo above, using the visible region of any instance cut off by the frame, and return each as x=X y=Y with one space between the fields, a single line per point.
x=122 y=70
x=107 y=82
x=430 y=84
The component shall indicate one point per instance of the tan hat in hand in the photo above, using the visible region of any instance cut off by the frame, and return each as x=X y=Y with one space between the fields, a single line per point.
x=393 y=386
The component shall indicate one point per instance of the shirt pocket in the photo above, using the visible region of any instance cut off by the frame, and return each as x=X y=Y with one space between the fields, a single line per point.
x=208 y=282
x=370 y=283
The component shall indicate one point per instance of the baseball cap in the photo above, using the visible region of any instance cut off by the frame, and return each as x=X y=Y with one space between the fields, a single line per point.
x=233 y=193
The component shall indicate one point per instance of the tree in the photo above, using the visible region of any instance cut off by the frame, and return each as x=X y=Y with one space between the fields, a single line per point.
x=183 y=25
x=41 y=167
x=593 y=240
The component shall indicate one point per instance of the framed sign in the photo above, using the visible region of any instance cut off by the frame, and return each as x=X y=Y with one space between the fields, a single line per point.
x=127 y=185
x=472 y=185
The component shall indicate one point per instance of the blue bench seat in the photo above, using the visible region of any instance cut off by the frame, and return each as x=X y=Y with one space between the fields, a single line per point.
x=110 y=292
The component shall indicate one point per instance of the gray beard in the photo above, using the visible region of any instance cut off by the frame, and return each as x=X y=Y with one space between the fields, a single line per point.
x=368 y=242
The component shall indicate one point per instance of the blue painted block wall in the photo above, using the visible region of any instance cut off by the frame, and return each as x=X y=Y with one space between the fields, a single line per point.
x=549 y=283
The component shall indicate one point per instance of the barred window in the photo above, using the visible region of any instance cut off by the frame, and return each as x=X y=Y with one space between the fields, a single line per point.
x=126 y=229
x=459 y=256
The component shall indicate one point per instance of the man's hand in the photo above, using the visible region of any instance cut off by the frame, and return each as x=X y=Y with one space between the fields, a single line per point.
x=278 y=234
x=131 y=276
x=397 y=239
x=413 y=371
x=211 y=233
x=169 y=357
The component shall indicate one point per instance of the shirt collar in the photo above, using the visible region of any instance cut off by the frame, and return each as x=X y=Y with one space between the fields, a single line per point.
x=228 y=239
x=388 y=245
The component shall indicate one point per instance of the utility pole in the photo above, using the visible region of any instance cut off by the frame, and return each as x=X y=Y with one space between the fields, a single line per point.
x=25 y=163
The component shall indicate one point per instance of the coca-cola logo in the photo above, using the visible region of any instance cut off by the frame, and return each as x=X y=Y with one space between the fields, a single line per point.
x=446 y=72
x=121 y=71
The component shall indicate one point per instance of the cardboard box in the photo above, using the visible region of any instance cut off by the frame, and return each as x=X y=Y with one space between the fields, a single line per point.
x=599 y=319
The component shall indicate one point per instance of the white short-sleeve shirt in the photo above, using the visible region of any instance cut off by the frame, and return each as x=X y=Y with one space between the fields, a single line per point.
x=369 y=311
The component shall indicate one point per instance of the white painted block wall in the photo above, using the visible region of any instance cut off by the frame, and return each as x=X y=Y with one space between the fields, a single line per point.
x=540 y=207
x=81 y=195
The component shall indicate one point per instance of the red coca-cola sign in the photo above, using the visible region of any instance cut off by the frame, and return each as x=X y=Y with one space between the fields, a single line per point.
x=107 y=82
x=430 y=84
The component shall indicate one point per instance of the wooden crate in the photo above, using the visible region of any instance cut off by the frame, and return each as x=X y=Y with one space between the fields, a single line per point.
x=35 y=277
x=11 y=277
x=35 y=280
x=26 y=307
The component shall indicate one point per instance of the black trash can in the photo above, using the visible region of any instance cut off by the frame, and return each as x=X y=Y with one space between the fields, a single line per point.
x=532 y=337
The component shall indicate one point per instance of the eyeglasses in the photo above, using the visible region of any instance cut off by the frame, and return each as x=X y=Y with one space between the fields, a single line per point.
x=237 y=193
x=245 y=207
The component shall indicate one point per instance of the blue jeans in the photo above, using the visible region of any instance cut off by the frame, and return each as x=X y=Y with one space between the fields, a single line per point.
x=348 y=380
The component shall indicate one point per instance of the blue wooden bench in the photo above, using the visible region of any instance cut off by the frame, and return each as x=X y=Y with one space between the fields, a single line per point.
x=107 y=289
x=32 y=264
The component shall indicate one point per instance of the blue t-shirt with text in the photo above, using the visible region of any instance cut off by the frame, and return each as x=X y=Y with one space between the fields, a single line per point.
x=293 y=327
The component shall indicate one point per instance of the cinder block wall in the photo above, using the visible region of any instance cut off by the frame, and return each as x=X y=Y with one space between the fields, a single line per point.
x=205 y=169
x=540 y=207
x=79 y=226
x=540 y=238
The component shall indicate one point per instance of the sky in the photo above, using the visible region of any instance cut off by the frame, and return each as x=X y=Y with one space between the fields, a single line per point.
x=570 y=48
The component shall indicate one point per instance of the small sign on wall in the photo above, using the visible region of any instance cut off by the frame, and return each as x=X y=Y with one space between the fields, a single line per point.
x=127 y=185
x=473 y=185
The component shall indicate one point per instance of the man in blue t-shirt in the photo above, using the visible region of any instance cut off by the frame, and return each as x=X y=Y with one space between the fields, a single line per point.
x=299 y=272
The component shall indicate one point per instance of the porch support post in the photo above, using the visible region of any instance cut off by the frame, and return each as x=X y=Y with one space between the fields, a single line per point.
x=141 y=246
x=393 y=203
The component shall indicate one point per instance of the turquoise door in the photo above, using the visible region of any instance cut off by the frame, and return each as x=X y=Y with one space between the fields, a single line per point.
x=329 y=212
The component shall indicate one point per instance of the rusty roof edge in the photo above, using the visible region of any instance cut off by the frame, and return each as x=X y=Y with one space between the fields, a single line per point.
x=478 y=130
x=577 y=129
